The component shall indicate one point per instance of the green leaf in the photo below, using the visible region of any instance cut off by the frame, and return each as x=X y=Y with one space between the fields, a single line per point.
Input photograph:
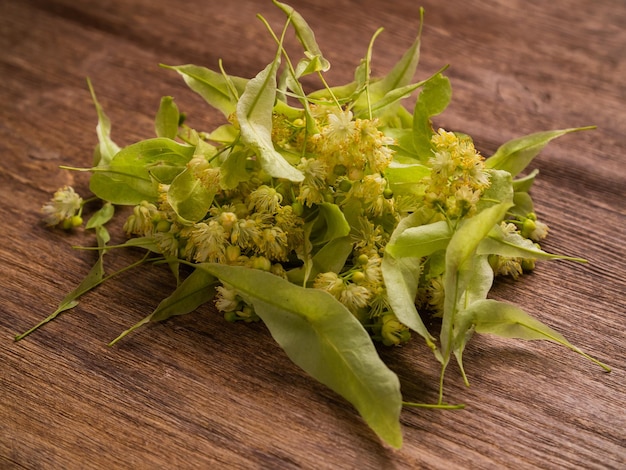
x=401 y=278
x=508 y=321
x=459 y=253
x=513 y=245
x=515 y=155
x=189 y=197
x=403 y=72
x=499 y=190
x=525 y=183
x=236 y=168
x=133 y=173
x=404 y=178
x=196 y=290
x=432 y=100
x=214 y=87
x=331 y=257
x=254 y=113
x=390 y=98
x=322 y=337
x=102 y=216
x=315 y=60
x=421 y=241
x=330 y=224
x=167 y=118
x=106 y=148
x=93 y=279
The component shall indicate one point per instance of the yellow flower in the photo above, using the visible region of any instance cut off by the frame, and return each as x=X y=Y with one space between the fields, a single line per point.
x=64 y=205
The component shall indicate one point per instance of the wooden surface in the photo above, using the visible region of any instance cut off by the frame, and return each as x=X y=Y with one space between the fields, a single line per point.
x=196 y=392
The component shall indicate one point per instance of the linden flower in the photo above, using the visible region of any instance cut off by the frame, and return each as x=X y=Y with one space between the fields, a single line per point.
x=354 y=296
x=207 y=242
x=265 y=199
x=226 y=299
x=141 y=222
x=329 y=282
x=64 y=205
x=341 y=128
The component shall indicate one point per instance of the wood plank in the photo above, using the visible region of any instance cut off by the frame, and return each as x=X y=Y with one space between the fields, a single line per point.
x=196 y=391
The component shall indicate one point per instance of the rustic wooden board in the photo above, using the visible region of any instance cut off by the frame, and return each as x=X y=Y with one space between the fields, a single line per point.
x=196 y=391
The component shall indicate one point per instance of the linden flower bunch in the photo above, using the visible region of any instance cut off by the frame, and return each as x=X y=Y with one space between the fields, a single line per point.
x=336 y=217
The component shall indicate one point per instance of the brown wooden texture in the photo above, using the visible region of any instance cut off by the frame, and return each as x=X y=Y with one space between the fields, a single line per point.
x=196 y=391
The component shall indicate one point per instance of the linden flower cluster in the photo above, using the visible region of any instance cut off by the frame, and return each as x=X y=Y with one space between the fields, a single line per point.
x=458 y=176
x=260 y=223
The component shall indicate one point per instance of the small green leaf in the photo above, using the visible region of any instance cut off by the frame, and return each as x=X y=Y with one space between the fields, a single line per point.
x=421 y=241
x=432 y=100
x=214 y=87
x=322 y=337
x=515 y=155
x=401 y=278
x=459 y=264
x=513 y=245
x=403 y=178
x=508 y=321
x=167 y=118
x=196 y=290
x=330 y=224
x=254 y=113
x=102 y=216
x=133 y=173
x=331 y=257
x=306 y=36
x=525 y=183
x=106 y=148
x=189 y=197
x=236 y=168
x=404 y=70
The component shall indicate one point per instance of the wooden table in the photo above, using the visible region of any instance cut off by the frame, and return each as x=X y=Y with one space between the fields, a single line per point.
x=197 y=392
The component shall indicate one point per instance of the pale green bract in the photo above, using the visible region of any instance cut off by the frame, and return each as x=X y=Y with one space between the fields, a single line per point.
x=337 y=217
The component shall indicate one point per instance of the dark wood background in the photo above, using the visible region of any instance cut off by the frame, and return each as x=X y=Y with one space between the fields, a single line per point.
x=195 y=391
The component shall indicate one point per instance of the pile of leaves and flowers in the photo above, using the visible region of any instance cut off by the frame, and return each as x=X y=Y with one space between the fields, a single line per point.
x=337 y=217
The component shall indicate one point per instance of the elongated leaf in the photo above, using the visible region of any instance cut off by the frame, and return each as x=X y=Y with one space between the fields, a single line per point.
x=403 y=72
x=331 y=257
x=461 y=248
x=421 y=241
x=330 y=224
x=306 y=36
x=513 y=245
x=525 y=183
x=133 y=173
x=322 y=337
x=189 y=197
x=506 y=320
x=432 y=100
x=93 y=279
x=166 y=121
x=214 y=87
x=106 y=148
x=236 y=168
x=196 y=290
x=102 y=216
x=403 y=178
x=401 y=278
x=515 y=155
x=254 y=113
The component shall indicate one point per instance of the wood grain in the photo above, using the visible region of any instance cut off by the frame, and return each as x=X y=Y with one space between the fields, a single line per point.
x=196 y=392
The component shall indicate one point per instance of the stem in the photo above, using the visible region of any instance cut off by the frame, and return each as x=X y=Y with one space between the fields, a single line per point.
x=71 y=303
x=434 y=406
